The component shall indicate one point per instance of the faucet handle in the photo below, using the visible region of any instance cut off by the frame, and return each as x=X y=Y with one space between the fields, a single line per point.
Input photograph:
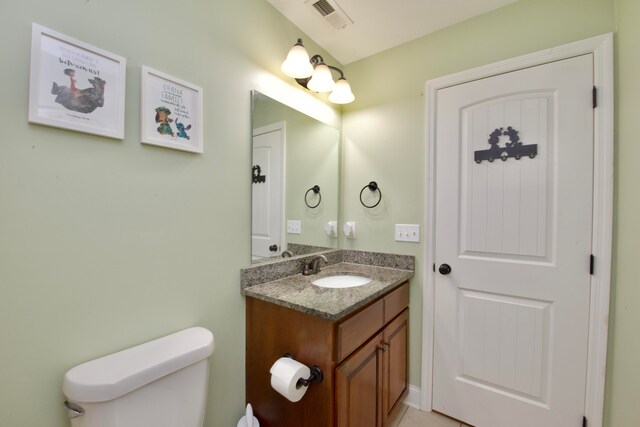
x=315 y=264
x=307 y=270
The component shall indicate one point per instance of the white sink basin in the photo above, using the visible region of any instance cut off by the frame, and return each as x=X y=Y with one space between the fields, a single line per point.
x=341 y=281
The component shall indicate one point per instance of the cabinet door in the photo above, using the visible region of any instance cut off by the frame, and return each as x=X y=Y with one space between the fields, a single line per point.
x=394 y=362
x=358 y=381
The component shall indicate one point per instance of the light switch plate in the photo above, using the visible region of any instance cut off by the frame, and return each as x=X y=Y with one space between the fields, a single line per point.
x=407 y=232
x=294 y=226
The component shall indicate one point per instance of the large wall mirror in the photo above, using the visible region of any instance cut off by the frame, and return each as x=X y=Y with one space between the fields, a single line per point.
x=295 y=181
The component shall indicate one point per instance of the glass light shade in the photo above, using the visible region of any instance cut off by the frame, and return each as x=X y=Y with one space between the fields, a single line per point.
x=342 y=93
x=321 y=80
x=297 y=64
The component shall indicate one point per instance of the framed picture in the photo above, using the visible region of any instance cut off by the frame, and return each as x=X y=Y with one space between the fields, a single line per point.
x=171 y=112
x=75 y=86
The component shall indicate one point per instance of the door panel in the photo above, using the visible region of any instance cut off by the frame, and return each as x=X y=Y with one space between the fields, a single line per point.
x=267 y=193
x=511 y=319
x=505 y=343
x=395 y=363
x=358 y=400
x=504 y=206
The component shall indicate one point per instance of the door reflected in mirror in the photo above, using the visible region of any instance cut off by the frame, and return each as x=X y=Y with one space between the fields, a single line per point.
x=295 y=181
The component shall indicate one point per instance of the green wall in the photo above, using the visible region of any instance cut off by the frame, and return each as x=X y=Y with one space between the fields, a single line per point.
x=105 y=243
x=623 y=373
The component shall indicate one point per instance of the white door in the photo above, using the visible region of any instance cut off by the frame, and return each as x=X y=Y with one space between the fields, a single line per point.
x=512 y=316
x=267 y=191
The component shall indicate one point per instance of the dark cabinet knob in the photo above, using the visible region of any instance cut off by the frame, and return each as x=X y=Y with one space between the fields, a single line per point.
x=273 y=248
x=444 y=269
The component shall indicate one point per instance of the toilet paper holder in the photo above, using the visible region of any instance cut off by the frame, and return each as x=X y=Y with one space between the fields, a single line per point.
x=315 y=376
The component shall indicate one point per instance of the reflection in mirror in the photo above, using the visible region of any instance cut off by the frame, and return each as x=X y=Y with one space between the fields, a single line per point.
x=292 y=154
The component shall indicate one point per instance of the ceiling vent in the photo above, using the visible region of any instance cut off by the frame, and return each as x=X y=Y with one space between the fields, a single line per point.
x=331 y=13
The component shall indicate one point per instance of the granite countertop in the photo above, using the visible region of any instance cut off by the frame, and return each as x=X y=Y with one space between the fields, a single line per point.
x=297 y=291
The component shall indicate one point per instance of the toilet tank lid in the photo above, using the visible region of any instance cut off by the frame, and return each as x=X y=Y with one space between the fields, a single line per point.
x=119 y=373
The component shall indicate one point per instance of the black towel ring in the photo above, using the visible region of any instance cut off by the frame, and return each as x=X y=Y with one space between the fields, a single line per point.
x=316 y=190
x=373 y=186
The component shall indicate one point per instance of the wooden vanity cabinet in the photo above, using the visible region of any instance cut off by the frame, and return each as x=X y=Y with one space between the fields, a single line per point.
x=363 y=358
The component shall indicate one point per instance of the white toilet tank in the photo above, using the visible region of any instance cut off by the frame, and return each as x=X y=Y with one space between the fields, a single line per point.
x=161 y=383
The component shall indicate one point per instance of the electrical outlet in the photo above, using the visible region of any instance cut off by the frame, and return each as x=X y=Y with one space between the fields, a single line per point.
x=407 y=232
x=294 y=227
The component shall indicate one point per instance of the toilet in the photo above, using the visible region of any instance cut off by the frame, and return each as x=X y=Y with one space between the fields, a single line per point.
x=161 y=383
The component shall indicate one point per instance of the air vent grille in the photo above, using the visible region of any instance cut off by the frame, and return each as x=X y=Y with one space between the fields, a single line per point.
x=331 y=12
x=323 y=7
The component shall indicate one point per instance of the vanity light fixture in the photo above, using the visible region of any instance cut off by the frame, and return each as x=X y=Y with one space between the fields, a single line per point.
x=313 y=74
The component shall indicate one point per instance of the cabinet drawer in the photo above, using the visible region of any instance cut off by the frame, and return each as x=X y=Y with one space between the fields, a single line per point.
x=354 y=331
x=395 y=302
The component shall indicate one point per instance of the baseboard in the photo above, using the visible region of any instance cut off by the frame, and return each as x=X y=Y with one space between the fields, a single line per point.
x=413 y=397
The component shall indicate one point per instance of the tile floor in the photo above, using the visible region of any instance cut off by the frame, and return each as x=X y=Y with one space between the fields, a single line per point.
x=410 y=417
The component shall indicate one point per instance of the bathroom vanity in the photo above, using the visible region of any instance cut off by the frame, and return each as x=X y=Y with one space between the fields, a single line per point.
x=356 y=336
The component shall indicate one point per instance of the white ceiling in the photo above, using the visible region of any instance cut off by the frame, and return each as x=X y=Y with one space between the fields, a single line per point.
x=379 y=24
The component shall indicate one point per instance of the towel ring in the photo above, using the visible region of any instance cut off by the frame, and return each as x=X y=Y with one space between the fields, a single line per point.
x=373 y=186
x=316 y=190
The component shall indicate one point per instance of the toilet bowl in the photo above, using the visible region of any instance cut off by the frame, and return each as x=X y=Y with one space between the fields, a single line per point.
x=161 y=383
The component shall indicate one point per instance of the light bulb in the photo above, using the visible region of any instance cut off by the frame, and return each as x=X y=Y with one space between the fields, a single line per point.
x=297 y=64
x=342 y=93
x=321 y=80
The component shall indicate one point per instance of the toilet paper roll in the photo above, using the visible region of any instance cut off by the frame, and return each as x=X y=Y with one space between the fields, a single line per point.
x=285 y=374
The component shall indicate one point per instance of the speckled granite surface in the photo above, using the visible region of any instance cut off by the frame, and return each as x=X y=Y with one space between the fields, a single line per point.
x=299 y=249
x=281 y=282
x=377 y=259
x=281 y=268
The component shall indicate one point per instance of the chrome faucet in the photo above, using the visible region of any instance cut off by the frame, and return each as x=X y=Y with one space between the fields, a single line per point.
x=286 y=254
x=313 y=267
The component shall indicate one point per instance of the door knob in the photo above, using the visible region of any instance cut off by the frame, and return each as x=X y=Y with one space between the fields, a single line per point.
x=444 y=269
x=273 y=248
